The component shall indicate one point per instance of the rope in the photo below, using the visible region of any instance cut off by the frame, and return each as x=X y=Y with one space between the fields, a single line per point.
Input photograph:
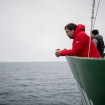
x=93 y=6
x=96 y=14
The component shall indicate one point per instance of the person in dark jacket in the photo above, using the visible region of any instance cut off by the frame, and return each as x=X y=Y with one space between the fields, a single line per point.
x=98 y=41
x=80 y=46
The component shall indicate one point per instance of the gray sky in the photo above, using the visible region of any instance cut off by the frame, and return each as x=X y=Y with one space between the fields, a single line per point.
x=31 y=30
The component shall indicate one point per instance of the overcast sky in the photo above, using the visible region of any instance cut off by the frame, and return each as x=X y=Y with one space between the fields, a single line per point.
x=31 y=30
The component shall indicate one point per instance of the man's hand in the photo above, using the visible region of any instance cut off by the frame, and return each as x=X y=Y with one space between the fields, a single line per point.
x=58 y=53
x=64 y=49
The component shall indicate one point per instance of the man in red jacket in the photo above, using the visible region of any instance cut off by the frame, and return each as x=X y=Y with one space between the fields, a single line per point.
x=80 y=46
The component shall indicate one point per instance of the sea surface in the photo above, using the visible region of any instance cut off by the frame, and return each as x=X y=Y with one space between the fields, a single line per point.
x=37 y=83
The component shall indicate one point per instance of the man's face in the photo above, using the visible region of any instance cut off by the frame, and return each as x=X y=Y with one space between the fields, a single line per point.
x=92 y=36
x=69 y=33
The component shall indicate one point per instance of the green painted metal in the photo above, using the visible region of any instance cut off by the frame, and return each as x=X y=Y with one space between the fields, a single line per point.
x=90 y=76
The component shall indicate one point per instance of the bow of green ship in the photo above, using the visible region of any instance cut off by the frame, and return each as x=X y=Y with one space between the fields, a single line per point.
x=90 y=76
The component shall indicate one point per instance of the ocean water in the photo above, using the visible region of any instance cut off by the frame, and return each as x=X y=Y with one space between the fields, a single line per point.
x=37 y=83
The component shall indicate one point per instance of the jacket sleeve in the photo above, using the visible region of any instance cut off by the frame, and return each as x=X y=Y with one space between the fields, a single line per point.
x=78 y=46
x=95 y=42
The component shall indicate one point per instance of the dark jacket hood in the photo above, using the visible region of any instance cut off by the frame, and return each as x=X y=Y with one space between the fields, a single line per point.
x=98 y=36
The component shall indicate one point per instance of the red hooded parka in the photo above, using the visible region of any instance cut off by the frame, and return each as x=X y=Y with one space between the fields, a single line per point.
x=80 y=45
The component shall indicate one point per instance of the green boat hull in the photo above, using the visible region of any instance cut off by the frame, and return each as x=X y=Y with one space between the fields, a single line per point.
x=90 y=76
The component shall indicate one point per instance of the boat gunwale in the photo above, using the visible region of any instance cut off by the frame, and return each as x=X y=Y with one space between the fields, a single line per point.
x=86 y=58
